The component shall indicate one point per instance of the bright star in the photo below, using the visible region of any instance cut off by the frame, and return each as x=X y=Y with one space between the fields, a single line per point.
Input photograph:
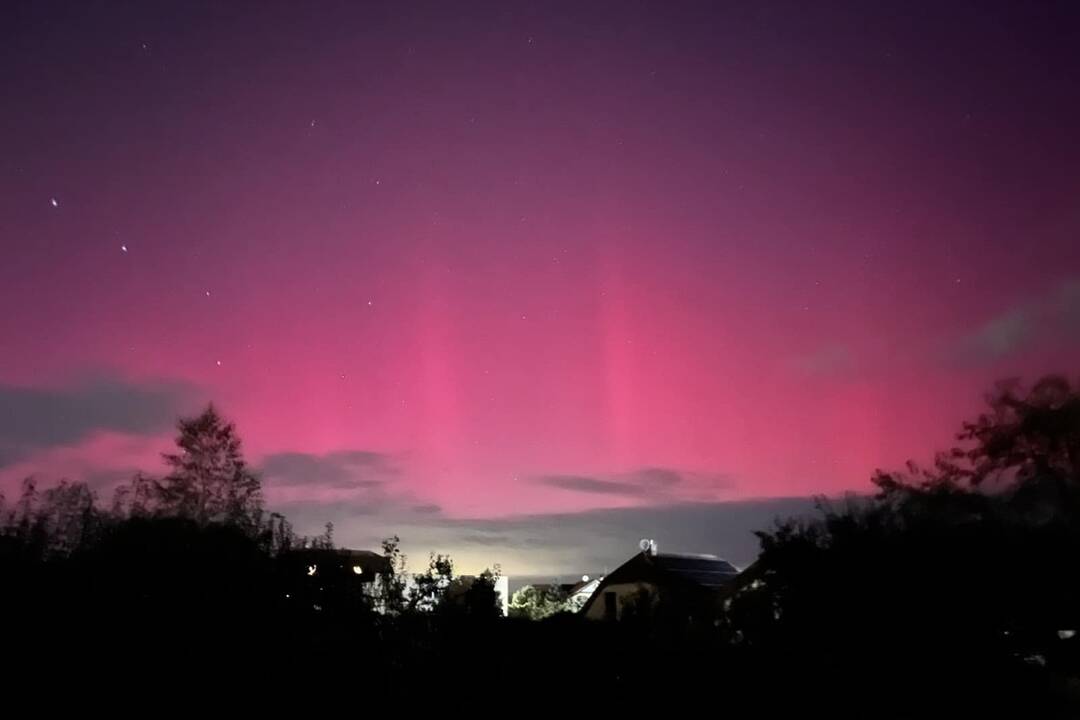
x=54 y=202
x=123 y=248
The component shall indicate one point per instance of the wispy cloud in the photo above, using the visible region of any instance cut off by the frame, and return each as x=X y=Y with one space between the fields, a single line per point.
x=584 y=484
x=356 y=482
x=828 y=361
x=33 y=419
x=1068 y=305
x=596 y=540
x=654 y=484
x=569 y=543
x=1028 y=325
x=340 y=470
x=1000 y=336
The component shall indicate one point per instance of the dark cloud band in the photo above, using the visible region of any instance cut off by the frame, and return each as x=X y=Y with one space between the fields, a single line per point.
x=33 y=419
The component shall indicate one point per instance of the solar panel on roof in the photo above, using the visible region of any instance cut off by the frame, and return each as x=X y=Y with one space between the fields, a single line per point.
x=706 y=571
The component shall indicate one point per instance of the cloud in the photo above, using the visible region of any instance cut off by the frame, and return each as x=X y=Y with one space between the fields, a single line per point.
x=339 y=470
x=593 y=541
x=658 y=477
x=829 y=361
x=351 y=482
x=351 y=488
x=34 y=419
x=1000 y=336
x=598 y=540
x=1068 y=305
x=479 y=539
x=556 y=544
x=652 y=484
x=581 y=483
x=1046 y=319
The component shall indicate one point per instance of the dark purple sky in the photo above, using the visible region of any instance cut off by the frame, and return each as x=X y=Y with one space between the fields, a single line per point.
x=472 y=272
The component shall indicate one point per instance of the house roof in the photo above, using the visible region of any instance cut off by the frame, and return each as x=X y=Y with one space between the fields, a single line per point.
x=705 y=570
x=702 y=572
x=573 y=588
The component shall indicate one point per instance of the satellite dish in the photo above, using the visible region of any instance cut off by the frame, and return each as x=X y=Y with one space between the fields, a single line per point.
x=645 y=545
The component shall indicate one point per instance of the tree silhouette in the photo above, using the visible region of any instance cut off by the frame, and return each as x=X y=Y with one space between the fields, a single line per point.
x=429 y=586
x=537 y=603
x=55 y=522
x=208 y=478
x=474 y=597
x=390 y=591
x=1031 y=440
x=966 y=570
x=278 y=536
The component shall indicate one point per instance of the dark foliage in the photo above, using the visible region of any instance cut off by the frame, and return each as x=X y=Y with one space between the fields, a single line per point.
x=954 y=591
x=956 y=582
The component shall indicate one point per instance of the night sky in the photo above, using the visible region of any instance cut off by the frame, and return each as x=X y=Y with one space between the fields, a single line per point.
x=526 y=282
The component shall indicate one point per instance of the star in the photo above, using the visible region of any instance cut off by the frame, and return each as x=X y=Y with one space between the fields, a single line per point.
x=123 y=248
x=54 y=202
x=378 y=182
x=207 y=293
x=312 y=123
x=219 y=363
x=369 y=303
